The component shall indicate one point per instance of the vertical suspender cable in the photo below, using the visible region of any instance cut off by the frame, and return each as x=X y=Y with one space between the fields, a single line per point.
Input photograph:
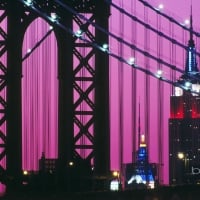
x=121 y=85
x=172 y=90
x=184 y=36
x=172 y=56
x=160 y=104
x=147 y=78
x=134 y=84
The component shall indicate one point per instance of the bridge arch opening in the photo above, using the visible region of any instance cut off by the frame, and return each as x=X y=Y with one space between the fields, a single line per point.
x=39 y=96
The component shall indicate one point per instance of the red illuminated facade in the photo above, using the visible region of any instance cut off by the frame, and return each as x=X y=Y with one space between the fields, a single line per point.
x=186 y=106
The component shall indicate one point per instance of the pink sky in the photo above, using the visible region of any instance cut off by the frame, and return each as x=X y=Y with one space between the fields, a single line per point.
x=154 y=124
x=127 y=88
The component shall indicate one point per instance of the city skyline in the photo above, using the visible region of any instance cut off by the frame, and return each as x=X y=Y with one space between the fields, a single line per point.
x=141 y=38
x=124 y=96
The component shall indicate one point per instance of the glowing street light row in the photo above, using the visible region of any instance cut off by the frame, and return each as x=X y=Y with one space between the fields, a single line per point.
x=132 y=62
x=53 y=17
x=161 y=7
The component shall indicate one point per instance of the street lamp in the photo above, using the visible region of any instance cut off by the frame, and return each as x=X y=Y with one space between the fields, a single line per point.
x=181 y=155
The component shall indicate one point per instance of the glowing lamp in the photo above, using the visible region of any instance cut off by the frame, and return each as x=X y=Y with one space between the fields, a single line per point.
x=187 y=84
x=115 y=173
x=54 y=17
x=29 y=51
x=160 y=6
x=159 y=73
x=79 y=33
x=25 y=172
x=181 y=155
x=71 y=163
x=131 y=60
x=104 y=47
x=187 y=22
x=28 y=2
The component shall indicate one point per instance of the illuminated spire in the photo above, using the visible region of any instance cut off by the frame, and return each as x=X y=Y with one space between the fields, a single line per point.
x=141 y=137
x=139 y=128
x=191 y=63
x=191 y=41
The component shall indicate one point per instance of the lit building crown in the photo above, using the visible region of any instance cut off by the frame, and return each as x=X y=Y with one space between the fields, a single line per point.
x=142 y=141
x=190 y=79
x=191 y=63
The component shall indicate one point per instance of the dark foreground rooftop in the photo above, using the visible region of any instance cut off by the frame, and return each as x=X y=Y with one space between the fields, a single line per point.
x=186 y=192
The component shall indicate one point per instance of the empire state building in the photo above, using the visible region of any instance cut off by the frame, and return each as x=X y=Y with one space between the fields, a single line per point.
x=184 y=123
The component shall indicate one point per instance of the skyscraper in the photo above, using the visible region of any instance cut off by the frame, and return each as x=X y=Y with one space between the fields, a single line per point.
x=141 y=172
x=184 y=122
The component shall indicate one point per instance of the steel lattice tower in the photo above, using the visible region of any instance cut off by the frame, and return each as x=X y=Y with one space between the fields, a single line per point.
x=92 y=119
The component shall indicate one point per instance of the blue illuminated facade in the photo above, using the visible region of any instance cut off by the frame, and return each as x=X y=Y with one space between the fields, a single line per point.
x=141 y=173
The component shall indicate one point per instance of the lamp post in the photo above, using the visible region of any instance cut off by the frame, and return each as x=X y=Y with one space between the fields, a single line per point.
x=185 y=158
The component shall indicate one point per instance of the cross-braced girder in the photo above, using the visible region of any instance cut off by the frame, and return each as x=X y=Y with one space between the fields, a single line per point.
x=3 y=104
x=83 y=72
x=84 y=88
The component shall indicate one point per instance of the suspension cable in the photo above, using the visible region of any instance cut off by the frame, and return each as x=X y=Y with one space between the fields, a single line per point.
x=37 y=45
x=171 y=19
x=158 y=32
x=119 y=39
x=119 y=58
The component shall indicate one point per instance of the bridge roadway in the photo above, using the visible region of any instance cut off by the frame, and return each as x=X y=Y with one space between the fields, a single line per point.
x=185 y=192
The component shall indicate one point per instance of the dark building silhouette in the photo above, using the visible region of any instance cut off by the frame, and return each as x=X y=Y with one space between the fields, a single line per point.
x=184 y=123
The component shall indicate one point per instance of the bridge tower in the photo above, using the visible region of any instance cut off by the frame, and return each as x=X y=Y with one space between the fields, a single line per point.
x=83 y=75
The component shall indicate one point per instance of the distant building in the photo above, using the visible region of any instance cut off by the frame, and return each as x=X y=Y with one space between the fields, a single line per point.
x=140 y=174
x=184 y=123
x=47 y=165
